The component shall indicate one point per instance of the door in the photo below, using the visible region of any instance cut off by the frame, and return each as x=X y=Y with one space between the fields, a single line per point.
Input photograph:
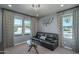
x=67 y=26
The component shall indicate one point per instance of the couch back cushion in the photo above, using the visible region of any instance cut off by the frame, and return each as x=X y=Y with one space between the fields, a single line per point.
x=39 y=34
x=52 y=36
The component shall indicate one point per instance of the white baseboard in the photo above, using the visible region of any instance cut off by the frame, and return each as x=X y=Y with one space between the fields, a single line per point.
x=20 y=43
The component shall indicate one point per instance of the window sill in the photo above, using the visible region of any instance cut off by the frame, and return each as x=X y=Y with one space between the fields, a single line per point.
x=27 y=34
x=18 y=35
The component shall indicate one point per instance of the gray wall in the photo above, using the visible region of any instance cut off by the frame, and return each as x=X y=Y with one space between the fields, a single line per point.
x=51 y=28
x=21 y=39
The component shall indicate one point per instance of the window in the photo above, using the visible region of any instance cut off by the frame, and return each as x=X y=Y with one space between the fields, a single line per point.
x=67 y=25
x=17 y=26
x=27 y=27
x=21 y=26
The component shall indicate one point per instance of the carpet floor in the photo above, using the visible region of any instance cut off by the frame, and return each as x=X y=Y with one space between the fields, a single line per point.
x=23 y=48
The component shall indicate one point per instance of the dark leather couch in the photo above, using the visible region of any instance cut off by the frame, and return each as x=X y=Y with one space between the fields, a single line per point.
x=50 y=42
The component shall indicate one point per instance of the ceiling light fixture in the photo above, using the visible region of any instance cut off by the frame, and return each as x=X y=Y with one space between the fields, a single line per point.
x=10 y=5
x=36 y=8
x=62 y=5
x=36 y=5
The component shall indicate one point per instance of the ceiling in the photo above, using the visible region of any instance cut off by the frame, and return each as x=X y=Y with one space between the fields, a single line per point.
x=44 y=10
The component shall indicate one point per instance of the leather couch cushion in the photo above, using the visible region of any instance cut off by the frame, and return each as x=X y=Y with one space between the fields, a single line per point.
x=46 y=42
x=52 y=40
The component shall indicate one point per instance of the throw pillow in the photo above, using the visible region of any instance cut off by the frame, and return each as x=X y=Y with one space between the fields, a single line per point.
x=43 y=37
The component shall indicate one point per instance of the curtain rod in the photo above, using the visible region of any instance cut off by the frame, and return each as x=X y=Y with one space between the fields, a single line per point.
x=67 y=9
x=17 y=12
